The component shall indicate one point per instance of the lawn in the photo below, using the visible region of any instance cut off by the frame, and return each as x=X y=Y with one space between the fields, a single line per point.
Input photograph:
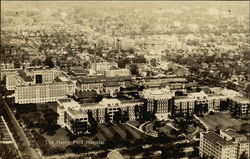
x=222 y=120
x=166 y=129
x=117 y=135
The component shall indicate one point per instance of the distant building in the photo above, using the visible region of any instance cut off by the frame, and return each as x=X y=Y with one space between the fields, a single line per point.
x=100 y=83
x=103 y=66
x=117 y=72
x=228 y=144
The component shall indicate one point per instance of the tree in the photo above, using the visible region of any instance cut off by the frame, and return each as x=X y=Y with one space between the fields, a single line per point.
x=93 y=122
x=49 y=62
x=17 y=64
x=134 y=70
x=123 y=62
x=139 y=59
x=153 y=62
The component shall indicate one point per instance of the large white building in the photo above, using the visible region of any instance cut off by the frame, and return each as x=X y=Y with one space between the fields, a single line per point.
x=39 y=86
x=70 y=112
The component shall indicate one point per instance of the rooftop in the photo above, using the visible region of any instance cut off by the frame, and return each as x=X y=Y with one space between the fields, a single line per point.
x=111 y=84
x=240 y=99
x=24 y=76
x=233 y=134
x=216 y=139
x=102 y=79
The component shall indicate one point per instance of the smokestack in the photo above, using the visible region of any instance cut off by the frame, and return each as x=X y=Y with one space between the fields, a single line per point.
x=95 y=59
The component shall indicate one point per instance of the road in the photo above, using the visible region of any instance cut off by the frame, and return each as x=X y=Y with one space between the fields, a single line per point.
x=27 y=151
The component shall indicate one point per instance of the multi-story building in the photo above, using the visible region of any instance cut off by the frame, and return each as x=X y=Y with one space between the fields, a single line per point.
x=111 y=88
x=71 y=112
x=183 y=105
x=239 y=107
x=158 y=101
x=226 y=145
x=97 y=83
x=215 y=102
x=39 y=86
x=213 y=145
x=71 y=116
x=30 y=77
x=103 y=66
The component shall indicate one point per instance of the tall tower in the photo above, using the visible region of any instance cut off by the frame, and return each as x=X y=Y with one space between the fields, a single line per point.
x=95 y=59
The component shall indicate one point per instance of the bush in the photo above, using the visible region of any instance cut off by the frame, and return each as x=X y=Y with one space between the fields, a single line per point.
x=211 y=113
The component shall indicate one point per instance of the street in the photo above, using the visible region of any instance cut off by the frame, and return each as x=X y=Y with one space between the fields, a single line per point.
x=27 y=151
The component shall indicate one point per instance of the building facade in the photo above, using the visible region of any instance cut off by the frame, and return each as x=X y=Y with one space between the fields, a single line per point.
x=158 y=101
x=239 y=107
x=107 y=110
x=226 y=145
x=39 y=85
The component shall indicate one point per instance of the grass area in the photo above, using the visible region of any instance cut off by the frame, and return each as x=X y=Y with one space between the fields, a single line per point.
x=190 y=129
x=114 y=135
x=166 y=130
x=135 y=123
x=222 y=120
x=60 y=135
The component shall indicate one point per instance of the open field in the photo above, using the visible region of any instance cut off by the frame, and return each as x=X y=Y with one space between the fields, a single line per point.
x=222 y=120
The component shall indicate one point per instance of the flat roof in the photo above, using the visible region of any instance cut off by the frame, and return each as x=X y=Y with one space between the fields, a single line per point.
x=233 y=134
x=102 y=79
x=111 y=84
x=24 y=76
x=240 y=99
x=216 y=139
